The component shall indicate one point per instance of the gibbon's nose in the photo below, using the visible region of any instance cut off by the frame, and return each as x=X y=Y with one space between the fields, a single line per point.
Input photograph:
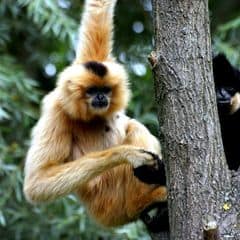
x=100 y=101
x=223 y=101
x=100 y=97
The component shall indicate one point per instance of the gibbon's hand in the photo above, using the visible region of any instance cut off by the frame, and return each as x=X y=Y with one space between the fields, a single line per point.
x=150 y=174
x=139 y=157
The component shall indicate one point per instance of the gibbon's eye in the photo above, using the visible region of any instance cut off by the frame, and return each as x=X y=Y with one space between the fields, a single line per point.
x=92 y=90
x=230 y=90
x=223 y=96
x=106 y=90
x=95 y=90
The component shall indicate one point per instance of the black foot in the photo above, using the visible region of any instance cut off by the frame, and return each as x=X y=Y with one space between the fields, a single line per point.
x=159 y=222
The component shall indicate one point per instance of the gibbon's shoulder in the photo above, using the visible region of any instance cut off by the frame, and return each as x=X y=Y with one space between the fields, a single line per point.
x=50 y=101
x=119 y=119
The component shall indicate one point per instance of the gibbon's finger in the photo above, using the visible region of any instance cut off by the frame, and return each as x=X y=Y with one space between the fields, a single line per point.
x=155 y=157
x=151 y=174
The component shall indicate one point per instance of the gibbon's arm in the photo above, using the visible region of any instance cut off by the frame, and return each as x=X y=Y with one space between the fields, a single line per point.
x=95 y=35
x=138 y=135
x=49 y=174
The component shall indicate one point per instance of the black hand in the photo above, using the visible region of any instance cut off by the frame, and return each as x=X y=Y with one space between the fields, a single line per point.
x=151 y=175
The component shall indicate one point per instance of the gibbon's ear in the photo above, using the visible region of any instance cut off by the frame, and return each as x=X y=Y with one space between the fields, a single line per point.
x=96 y=31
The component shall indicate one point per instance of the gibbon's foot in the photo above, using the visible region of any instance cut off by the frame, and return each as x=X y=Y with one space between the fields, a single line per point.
x=159 y=222
x=150 y=174
x=101 y=3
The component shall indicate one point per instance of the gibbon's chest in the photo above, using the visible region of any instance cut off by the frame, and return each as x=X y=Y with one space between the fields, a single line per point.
x=98 y=135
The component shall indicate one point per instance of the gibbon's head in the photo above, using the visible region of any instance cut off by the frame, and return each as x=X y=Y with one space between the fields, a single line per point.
x=227 y=84
x=93 y=89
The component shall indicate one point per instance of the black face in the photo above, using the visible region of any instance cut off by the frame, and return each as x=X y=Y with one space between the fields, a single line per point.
x=100 y=96
x=224 y=96
x=227 y=82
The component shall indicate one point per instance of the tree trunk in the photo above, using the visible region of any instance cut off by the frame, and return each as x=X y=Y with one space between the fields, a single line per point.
x=201 y=190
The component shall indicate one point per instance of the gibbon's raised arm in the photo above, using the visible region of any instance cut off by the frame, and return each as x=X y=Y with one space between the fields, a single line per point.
x=95 y=35
x=49 y=173
x=138 y=135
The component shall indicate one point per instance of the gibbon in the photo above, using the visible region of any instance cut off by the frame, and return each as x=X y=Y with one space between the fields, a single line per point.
x=227 y=84
x=84 y=143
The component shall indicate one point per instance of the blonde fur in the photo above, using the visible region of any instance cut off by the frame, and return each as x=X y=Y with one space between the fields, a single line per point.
x=76 y=149
x=96 y=31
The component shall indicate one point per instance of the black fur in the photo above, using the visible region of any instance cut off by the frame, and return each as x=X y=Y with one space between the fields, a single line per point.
x=152 y=175
x=225 y=75
x=159 y=222
x=96 y=67
x=227 y=83
x=98 y=90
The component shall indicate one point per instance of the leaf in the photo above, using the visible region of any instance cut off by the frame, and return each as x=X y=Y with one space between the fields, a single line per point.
x=2 y=219
x=4 y=114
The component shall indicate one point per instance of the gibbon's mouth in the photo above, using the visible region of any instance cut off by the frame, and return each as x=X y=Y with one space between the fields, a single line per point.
x=98 y=104
x=99 y=108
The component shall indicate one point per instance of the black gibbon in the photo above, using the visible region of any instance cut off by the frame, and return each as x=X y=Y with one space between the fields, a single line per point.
x=84 y=143
x=227 y=84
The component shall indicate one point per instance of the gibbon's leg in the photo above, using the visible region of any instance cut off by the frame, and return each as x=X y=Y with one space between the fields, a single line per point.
x=142 y=202
x=95 y=34
x=116 y=197
x=139 y=135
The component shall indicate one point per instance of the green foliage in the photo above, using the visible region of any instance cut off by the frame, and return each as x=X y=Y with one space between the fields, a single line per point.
x=227 y=39
x=50 y=18
x=226 y=29
x=37 y=34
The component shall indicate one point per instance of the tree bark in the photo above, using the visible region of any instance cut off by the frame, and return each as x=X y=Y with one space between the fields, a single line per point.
x=200 y=184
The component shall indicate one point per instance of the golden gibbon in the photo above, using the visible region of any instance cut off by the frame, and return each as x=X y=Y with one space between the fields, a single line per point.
x=83 y=142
